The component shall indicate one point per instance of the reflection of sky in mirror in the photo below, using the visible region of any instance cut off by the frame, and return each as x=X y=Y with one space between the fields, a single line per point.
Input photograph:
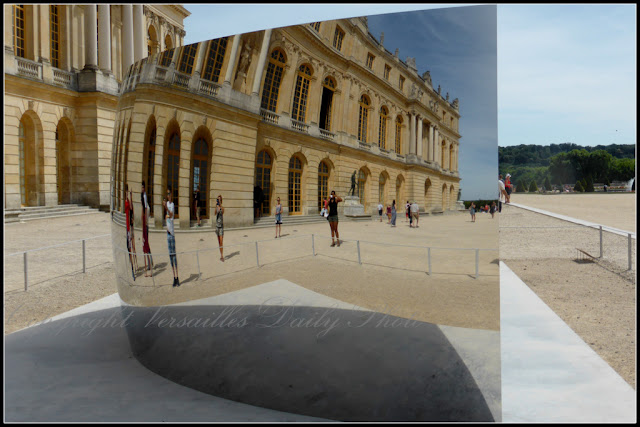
x=457 y=45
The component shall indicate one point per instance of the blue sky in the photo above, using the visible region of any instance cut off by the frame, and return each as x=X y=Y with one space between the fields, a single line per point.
x=566 y=73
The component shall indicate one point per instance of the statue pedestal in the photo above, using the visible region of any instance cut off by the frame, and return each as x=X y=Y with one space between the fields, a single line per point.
x=460 y=205
x=352 y=207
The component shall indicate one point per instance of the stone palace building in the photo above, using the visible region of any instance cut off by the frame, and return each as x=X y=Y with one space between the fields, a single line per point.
x=63 y=69
x=294 y=110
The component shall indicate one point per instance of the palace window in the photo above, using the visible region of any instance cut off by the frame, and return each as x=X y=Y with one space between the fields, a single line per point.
x=328 y=87
x=263 y=179
x=387 y=71
x=295 y=185
x=362 y=122
x=301 y=93
x=370 y=58
x=213 y=67
x=166 y=57
x=188 y=58
x=323 y=184
x=54 y=25
x=338 y=36
x=401 y=83
x=382 y=139
x=381 y=184
x=362 y=180
x=18 y=30
x=173 y=168
x=315 y=26
x=272 y=80
x=399 y=135
x=200 y=174
x=23 y=170
x=151 y=156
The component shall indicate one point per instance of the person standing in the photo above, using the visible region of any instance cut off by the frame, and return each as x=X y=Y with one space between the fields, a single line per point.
x=380 y=207
x=407 y=211
x=220 y=225
x=333 y=217
x=278 y=218
x=472 y=211
x=146 y=250
x=196 y=204
x=127 y=212
x=508 y=188
x=415 y=212
x=171 y=238
x=502 y=193
x=132 y=235
x=388 y=214
x=393 y=213
x=493 y=209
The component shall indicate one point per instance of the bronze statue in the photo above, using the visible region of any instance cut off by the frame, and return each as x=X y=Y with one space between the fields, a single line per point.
x=353 y=183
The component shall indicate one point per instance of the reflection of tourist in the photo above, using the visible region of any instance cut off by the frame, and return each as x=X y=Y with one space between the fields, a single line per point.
x=128 y=210
x=493 y=209
x=393 y=214
x=415 y=212
x=502 y=193
x=220 y=225
x=278 y=218
x=333 y=217
x=146 y=250
x=171 y=238
x=380 y=211
x=472 y=211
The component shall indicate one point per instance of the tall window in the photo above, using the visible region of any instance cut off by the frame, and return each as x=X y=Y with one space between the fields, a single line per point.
x=166 y=57
x=272 y=80
x=263 y=179
x=54 y=25
x=173 y=168
x=370 y=58
x=295 y=185
x=399 y=135
x=126 y=161
x=200 y=173
x=338 y=36
x=18 y=30
x=23 y=170
x=328 y=87
x=213 y=66
x=444 y=147
x=387 y=72
x=362 y=180
x=301 y=93
x=323 y=184
x=401 y=83
x=381 y=184
x=188 y=58
x=315 y=25
x=362 y=122
x=382 y=139
x=151 y=161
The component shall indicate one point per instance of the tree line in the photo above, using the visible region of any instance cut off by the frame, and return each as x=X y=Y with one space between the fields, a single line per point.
x=545 y=166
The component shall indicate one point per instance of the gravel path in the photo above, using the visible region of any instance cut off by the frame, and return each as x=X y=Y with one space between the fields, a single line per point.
x=596 y=299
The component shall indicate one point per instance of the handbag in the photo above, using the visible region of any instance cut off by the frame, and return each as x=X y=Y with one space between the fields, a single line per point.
x=326 y=214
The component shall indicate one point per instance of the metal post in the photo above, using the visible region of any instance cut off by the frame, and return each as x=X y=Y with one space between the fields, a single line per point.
x=26 y=277
x=198 y=260
x=359 y=260
x=429 y=259
x=257 y=258
x=477 y=261
x=313 y=246
x=600 y=241
x=84 y=258
x=629 y=238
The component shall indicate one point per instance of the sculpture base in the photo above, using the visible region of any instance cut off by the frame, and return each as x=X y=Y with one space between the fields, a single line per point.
x=352 y=206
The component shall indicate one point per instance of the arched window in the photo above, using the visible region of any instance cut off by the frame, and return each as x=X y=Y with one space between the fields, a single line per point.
x=382 y=134
x=173 y=167
x=168 y=42
x=54 y=26
x=19 y=47
x=295 y=186
x=151 y=161
x=126 y=162
x=399 y=134
x=188 y=58
x=301 y=93
x=328 y=88
x=323 y=184
x=152 y=40
x=119 y=168
x=213 y=66
x=444 y=148
x=200 y=173
x=362 y=180
x=263 y=179
x=272 y=80
x=381 y=184
x=451 y=157
x=23 y=169
x=362 y=121
x=427 y=187
x=444 y=196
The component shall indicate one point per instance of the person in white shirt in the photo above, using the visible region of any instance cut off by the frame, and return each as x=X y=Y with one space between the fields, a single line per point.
x=415 y=212
x=171 y=239
x=502 y=193
x=380 y=207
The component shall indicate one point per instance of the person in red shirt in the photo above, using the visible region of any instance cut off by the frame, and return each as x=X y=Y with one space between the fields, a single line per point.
x=128 y=210
x=508 y=187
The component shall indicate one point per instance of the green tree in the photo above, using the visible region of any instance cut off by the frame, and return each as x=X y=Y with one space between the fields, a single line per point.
x=521 y=186
x=589 y=187
x=599 y=165
x=533 y=187
x=623 y=169
x=578 y=187
x=580 y=161
x=561 y=169
x=547 y=184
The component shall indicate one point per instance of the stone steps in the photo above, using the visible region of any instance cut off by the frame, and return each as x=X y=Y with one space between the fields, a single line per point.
x=46 y=212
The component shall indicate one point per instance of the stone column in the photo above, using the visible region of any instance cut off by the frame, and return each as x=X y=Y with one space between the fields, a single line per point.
x=68 y=64
x=104 y=50
x=264 y=50
x=420 y=143
x=90 y=37
x=127 y=38
x=233 y=57
x=139 y=50
x=430 y=144
x=412 y=133
x=436 y=146
x=203 y=48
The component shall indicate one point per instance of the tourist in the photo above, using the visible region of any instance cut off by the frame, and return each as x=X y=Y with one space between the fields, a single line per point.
x=128 y=210
x=393 y=213
x=171 y=238
x=333 y=217
x=415 y=212
x=389 y=214
x=472 y=211
x=146 y=250
x=220 y=225
x=407 y=211
x=380 y=207
x=278 y=218
x=196 y=204
x=493 y=209
x=502 y=193
x=508 y=187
